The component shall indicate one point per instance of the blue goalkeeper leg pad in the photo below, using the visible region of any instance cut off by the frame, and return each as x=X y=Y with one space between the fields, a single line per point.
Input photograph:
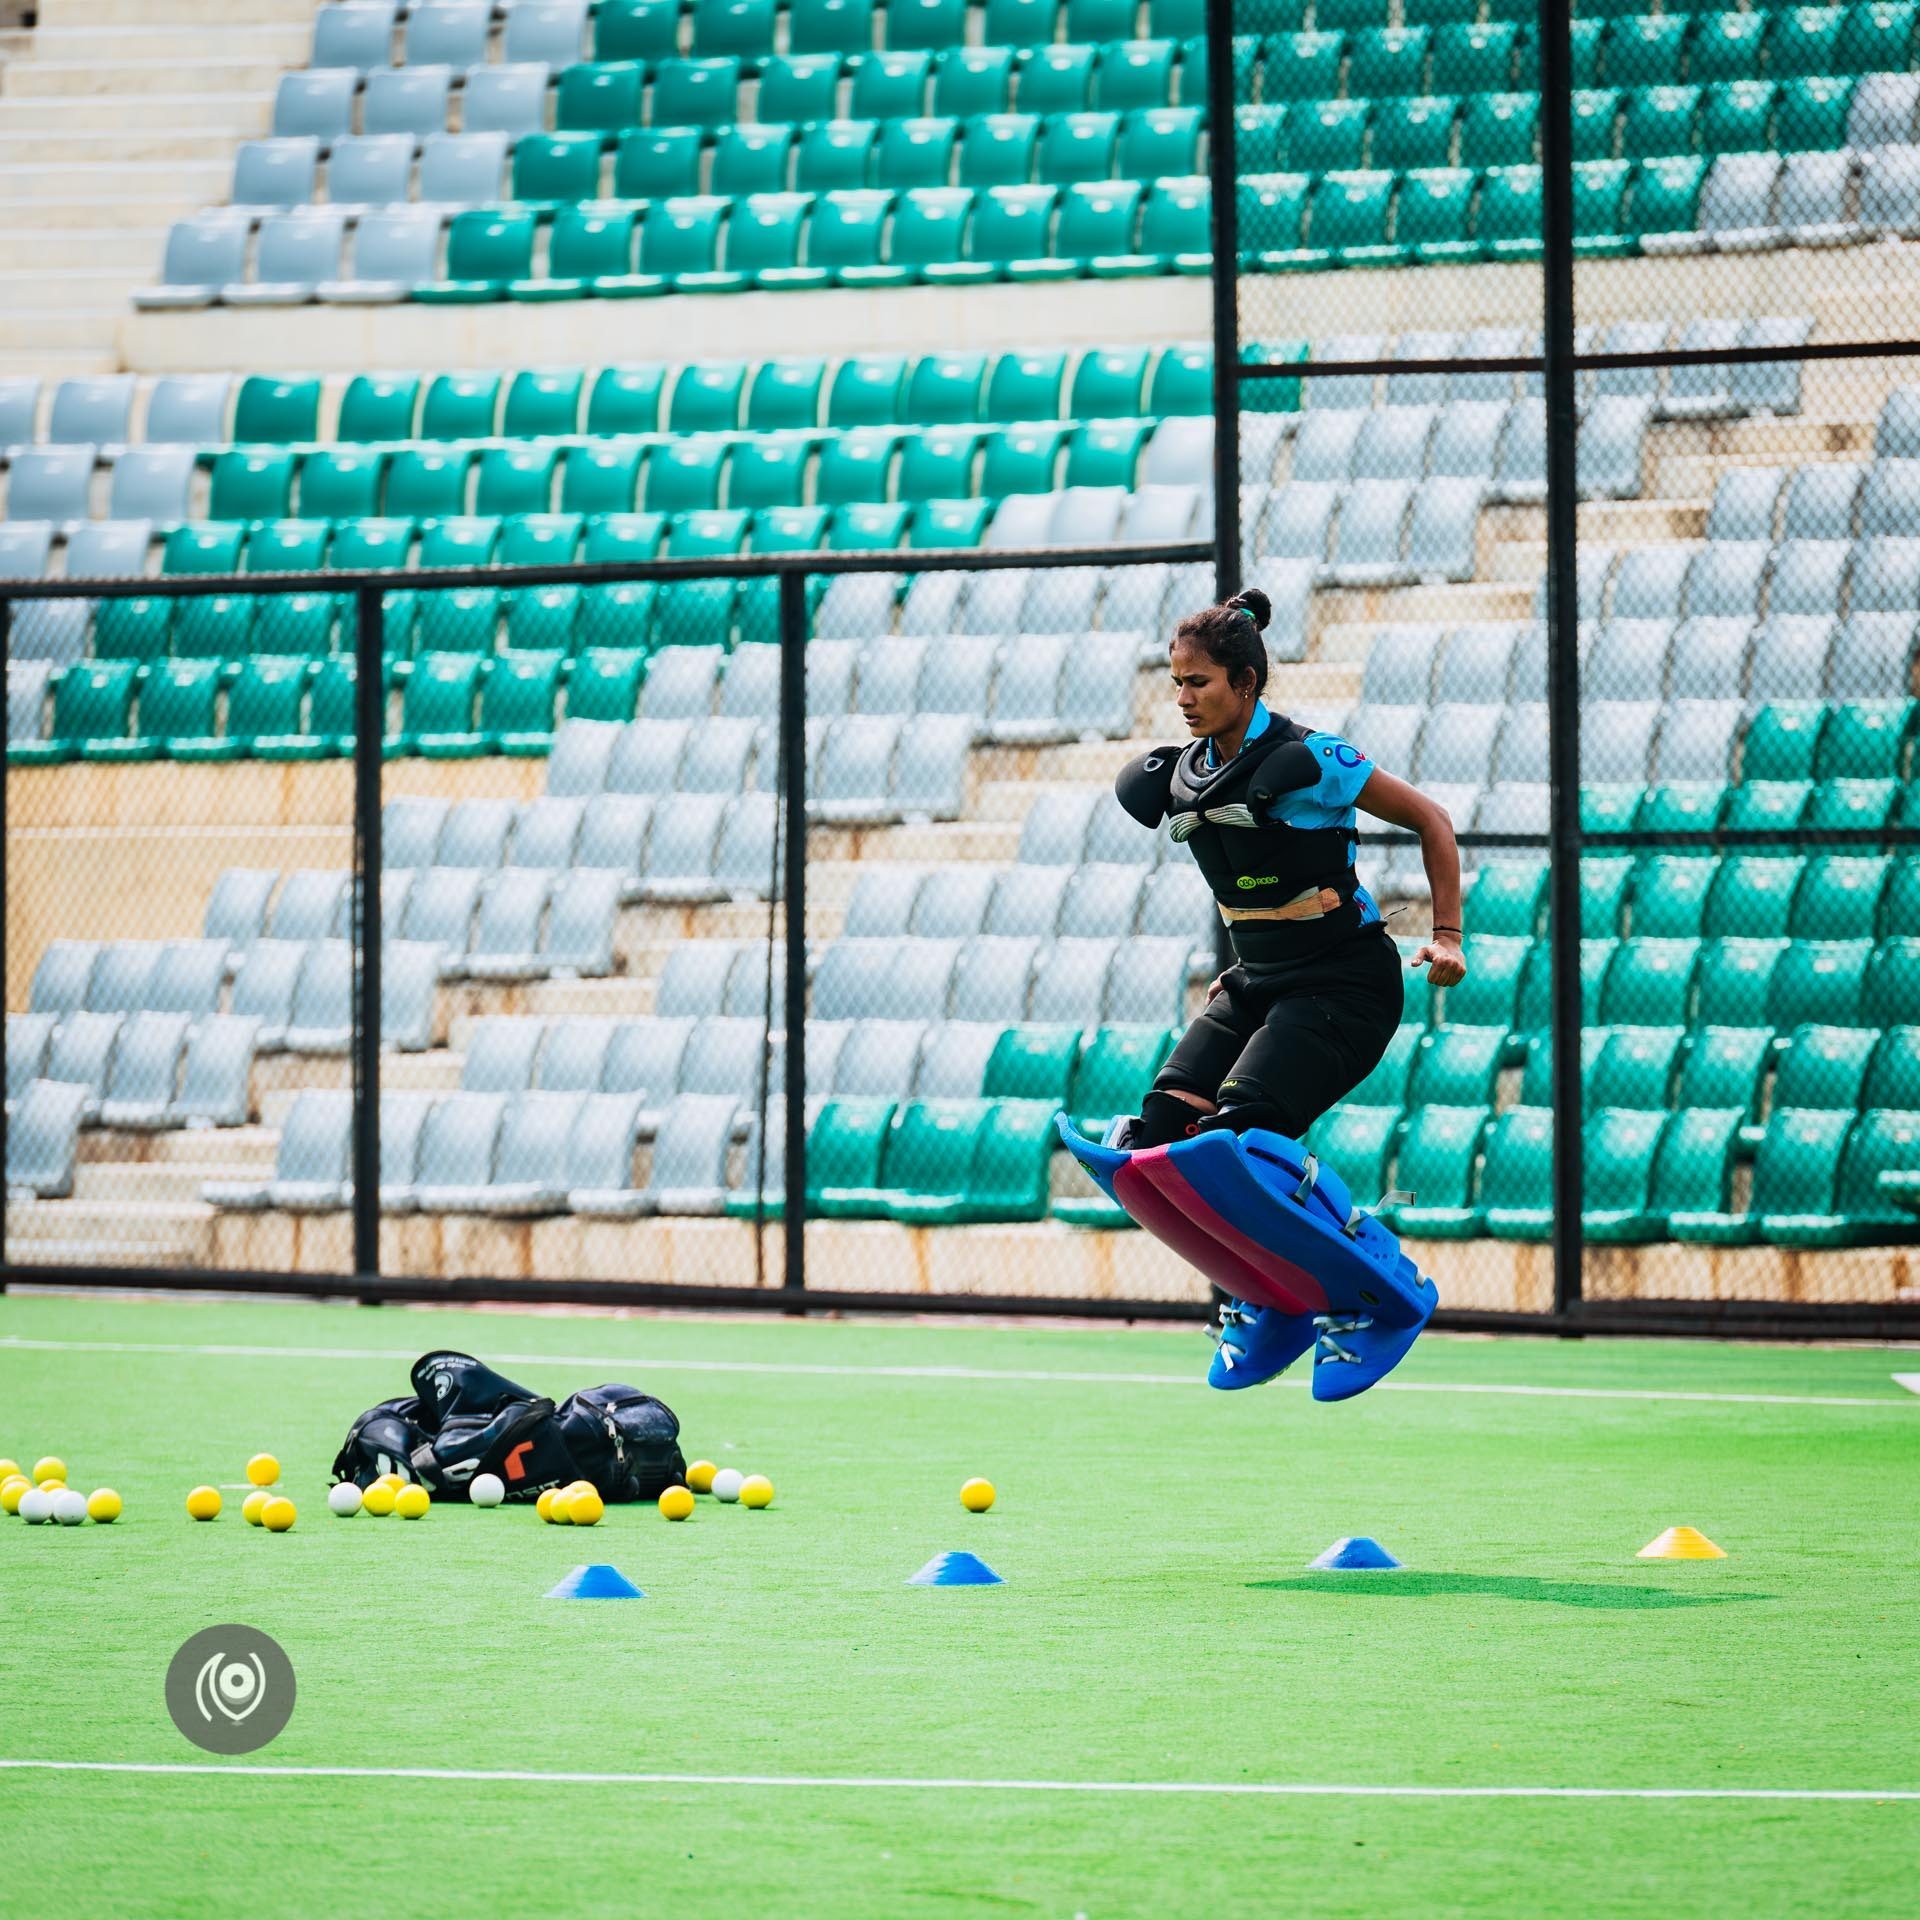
x=1266 y=1222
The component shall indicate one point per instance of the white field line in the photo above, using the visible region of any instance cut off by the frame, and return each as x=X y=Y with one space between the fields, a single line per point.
x=865 y=1782
x=1911 y=1381
x=1023 y=1375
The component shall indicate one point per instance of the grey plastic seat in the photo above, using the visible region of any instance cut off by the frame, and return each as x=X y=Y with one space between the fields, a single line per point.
x=878 y=1059
x=1069 y=982
x=580 y=920
x=689 y=1170
x=1650 y=584
x=693 y=982
x=1176 y=904
x=475 y=834
x=530 y=1158
x=1086 y=517
x=392 y=253
x=723 y=1056
x=1466 y=440
x=1518 y=808
x=314 y=104
x=717 y=756
x=888 y=677
x=882 y=903
x=1890 y=499
x=1180 y=454
x=574 y=1055
x=930 y=772
x=1116 y=839
x=368 y=171
x=1789 y=659
x=446 y=33
x=321 y=1020
x=1298 y=524
x=1373 y=533
x=951 y=902
x=409 y=994
x=1772 y=386
x=1096 y=689
x=549 y=31
x=993 y=604
x=1872 y=657
x=600 y=1150
x=681 y=847
x=43 y=1137
x=1026 y=691
x=743 y=858
x=613 y=838
x=216 y=1083
x=646 y=757
x=1054 y=832
x=1421 y=389
x=991 y=979
x=1746 y=502
x=51 y=484
x=953 y=1059
x=1702 y=392
x=680 y=683
x=506 y=930
x=577 y=766
x=188 y=409
x=855 y=766
x=1809 y=577
x=1520 y=466
x=750 y=684
x=1884 y=109
x=26 y=697
x=278 y=172
x=1725 y=579
x=1475 y=665
x=120 y=977
x=62 y=975
x=186 y=978
x=45 y=636
x=19 y=409
x=1886 y=576
x=1026 y=901
x=1612 y=452
x=884 y=979
x=25 y=549
x=1100 y=903
x=1392 y=442
x=410 y=100
x=410 y=830
x=509 y=99
x=1737 y=212
x=403 y=1119
x=1897 y=434
x=440 y=910
x=1147 y=981
x=1456 y=744
x=311 y=905
x=1060 y=600
x=1159 y=512
x=81 y=1053
x=931 y=605
x=956 y=678
x=644 y=1057
x=263 y=988
x=203 y=255
x=140 y=1085
x=1708 y=658
x=857 y=606
x=1323 y=449
x=462 y=169
x=150 y=486
x=110 y=549
x=1821 y=501
x=1347 y=391
x=1521 y=754
x=1399 y=669
x=1387 y=735
x=1696 y=740
x=545 y=833
x=297 y=250
x=1889 y=181
x=1616 y=739
x=92 y=410
x=28 y=1037
x=1814 y=204
x=353 y=33
x=457 y=1148
x=748 y=982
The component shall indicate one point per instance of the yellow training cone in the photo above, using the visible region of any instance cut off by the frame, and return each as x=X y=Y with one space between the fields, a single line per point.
x=1681 y=1543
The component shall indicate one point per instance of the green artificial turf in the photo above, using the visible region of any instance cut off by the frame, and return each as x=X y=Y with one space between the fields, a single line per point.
x=1157 y=1625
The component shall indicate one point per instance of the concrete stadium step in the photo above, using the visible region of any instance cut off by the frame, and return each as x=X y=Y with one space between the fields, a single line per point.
x=67 y=328
x=198 y=1149
x=54 y=365
x=129 y=1184
x=68 y=79
x=178 y=146
x=203 y=181
x=177 y=1225
x=239 y=113
x=134 y=252
x=23 y=293
x=125 y=43
x=60 y=209
x=197 y=1251
x=71 y=14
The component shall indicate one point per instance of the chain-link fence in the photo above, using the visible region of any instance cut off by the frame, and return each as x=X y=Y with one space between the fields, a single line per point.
x=1608 y=511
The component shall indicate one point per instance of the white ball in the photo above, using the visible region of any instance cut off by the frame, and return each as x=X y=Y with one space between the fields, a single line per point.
x=344 y=1500
x=726 y=1484
x=488 y=1490
x=36 y=1508
x=70 y=1508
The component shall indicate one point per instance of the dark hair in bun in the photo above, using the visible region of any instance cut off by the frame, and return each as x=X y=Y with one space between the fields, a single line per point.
x=1229 y=635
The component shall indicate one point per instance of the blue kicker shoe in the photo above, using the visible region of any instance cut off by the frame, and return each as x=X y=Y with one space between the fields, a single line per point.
x=1351 y=1352
x=1258 y=1344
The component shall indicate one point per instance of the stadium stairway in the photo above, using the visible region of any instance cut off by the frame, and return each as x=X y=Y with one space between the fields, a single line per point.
x=117 y=116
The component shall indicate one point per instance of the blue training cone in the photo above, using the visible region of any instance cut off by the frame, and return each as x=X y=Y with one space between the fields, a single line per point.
x=1356 y=1554
x=955 y=1570
x=595 y=1583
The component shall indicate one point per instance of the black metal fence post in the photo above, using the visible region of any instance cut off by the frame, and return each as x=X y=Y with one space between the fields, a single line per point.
x=1563 y=645
x=793 y=803
x=1223 y=169
x=369 y=729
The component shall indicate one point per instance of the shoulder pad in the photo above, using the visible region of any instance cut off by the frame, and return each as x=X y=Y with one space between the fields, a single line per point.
x=1290 y=767
x=1141 y=785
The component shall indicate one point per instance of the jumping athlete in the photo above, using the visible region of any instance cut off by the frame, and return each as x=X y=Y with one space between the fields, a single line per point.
x=1266 y=806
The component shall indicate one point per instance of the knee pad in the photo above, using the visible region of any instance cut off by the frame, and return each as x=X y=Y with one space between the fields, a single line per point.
x=1245 y=1105
x=1164 y=1119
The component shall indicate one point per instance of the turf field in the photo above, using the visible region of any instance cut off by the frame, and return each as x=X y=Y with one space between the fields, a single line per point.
x=1160 y=1713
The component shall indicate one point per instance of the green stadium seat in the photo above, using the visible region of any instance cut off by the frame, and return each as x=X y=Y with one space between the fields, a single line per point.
x=1893 y=1076
x=1819 y=981
x=1097 y=20
x=517 y=701
x=1596 y=115
x=695 y=613
x=1660 y=121
x=1156 y=142
x=605 y=682
x=708 y=534
x=707 y=397
x=1301 y=66
x=997 y=149
x=1752 y=895
x=1384 y=61
x=1347 y=221
x=1134 y=75
x=846 y=1150
x=1324 y=135
x=1693 y=1166
x=1647 y=50
x=1650 y=983
x=625 y=400
x=744 y=27
x=272 y=410
x=845 y=238
x=1621 y=1150
x=1722 y=1067
x=1182 y=381
x=1893 y=982
x=1681 y=806
x=656 y=163
x=1604 y=879
x=1536 y=1073
x=915 y=153
x=695 y=93
x=636 y=29
x=437 y=709
x=600 y=479
x=969 y=81
x=252 y=486
x=1853 y=803
x=1074 y=147
x=330 y=727
x=1386 y=1085
x=1114 y=1073
x=1025 y=385
x=425 y=481
x=833 y=154
x=1022 y=459
x=1875 y=37
x=1109 y=384
x=216 y=626
x=680 y=247
x=379 y=406
x=1736 y=116
x=177 y=701
x=1666 y=196
x=263 y=709
x=770 y=471
x=1728 y=46
x=1097 y=227
x=764 y=240
x=287 y=546
x=341 y=484
x=461 y=406
x=890 y=86
x=929 y=234
x=1011 y=224
x=1825 y=1067
x=1020 y=23
x=1535 y=1012
x=1838 y=897
x=1589 y=41
x=1758 y=805
x=1511 y=211
x=1782 y=741
x=1517 y=1187
x=865 y=526
x=750 y=159
x=799 y=87
x=784 y=394
x=601 y=97
x=1810 y=114
x=1057 y=79
x=1175 y=234
x=542 y=619
x=1864 y=740
x=1458 y=1067
x=556 y=169
x=487 y=250
x=459 y=540
x=516 y=480
x=1669 y=894
x=929 y=1160
x=1105 y=454
x=1734 y=980
x=1272 y=210
x=1608 y=806
x=1500 y=130
x=1900 y=904
x=1438 y=1156
x=1635 y=1068
x=1416 y=131
x=1489 y=995
x=1359 y=1140
x=1471 y=58
x=1508 y=896
x=590 y=252
x=201 y=548
x=1794 y=1175
x=932 y=24
x=1432 y=220
x=946 y=388
x=936 y=463
x=459 y=620
x=1259 y=137
x=92 y=708
x=1008 y=1176
x=371 y=545
x=540 y=539
x=132 y=628
x=296 y=623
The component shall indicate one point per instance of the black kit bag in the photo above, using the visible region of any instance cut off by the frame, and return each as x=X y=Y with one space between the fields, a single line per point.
x=627 y=1442
x=381 y=1441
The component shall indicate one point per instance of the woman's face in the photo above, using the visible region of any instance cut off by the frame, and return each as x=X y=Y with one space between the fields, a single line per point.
x=1209 y=704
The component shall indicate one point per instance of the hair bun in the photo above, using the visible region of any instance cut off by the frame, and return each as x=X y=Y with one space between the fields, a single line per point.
x=1252 y=600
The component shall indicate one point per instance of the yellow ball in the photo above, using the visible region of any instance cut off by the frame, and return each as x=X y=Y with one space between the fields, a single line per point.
x=677 y=1503
x=11 y=1491
x=977 y=1495
x=378 y=1500
x=263 y=1470
x=254 y=1505
x=411 y=1502
x=700 y=1476
x=756 y=1490
x=51 y=1467
x=394 y=1480
x=278 y=1514
x=10 y=1470
x=52 y=1485
x=586 y=1508
x=543 y=1506
x=204 y=1503
x=103 y=1505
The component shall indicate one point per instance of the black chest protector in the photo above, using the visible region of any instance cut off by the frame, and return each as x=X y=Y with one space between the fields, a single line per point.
x=1248 y=861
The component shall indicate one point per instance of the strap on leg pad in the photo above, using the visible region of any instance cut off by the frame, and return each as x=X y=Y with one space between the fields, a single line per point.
x=1165 y=1119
